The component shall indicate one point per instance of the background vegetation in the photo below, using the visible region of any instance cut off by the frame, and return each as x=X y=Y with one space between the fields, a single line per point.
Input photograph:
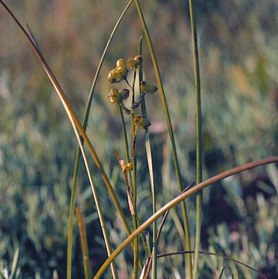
x=238 y=49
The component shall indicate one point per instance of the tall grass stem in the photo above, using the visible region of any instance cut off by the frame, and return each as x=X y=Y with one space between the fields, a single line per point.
x=197 y=85
x=151 y=171
x=84 y=243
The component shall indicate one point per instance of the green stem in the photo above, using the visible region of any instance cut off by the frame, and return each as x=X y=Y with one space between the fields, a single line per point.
x=197 y=84
x=100 y=215
x=77 y=127
x=84 y=243
x=150 y=166
x=134 y=176
x=78 y=154
x=134 y=172
x=131 y=179
x=171 y=134
x=151 y=173
x=124 y=133
x=135 y=248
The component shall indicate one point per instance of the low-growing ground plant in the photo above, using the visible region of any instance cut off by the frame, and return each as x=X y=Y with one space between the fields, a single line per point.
x=142 y=213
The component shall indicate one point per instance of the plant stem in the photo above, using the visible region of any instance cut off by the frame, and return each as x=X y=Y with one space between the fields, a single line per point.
x=78 y=153
x=84 y=243
x=171 y=134
x=134 y=176
x=151 y=172
x=197 y=85
x=100 y=215
x=124 y=133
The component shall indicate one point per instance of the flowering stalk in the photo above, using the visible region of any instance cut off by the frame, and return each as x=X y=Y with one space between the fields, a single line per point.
x=119 y=97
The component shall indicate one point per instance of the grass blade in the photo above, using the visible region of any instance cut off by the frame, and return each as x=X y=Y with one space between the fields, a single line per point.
x=84 y=244
x=150 y=167
x=78 y=154
x=197 y=85
x=14 y=264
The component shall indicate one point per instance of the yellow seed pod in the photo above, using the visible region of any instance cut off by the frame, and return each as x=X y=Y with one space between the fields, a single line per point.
x=121 y=72
x=117 y=74
x=125 y=167
x=114 y=76
x=124 y=94
x=129 y=166
x=122 y=164
x=120 y=63
x=131 y=63
x=113 y=96
x=147 y=88
x=135 y=62
x=138 y=59
x=111 y=76
x=138 y=120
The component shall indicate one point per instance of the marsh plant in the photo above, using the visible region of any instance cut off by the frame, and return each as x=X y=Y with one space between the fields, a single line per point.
x=137 y=229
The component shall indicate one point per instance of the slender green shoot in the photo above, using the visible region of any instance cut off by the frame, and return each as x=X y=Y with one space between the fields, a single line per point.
x=170 y=131
x=100 y=216
x=77 y=156
x=134 y=174
x=197 y=85
x=151 y=172
x=84 y=243
x=124 y=133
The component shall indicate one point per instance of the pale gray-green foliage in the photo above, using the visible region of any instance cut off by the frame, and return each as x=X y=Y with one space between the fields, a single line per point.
x=238 y=48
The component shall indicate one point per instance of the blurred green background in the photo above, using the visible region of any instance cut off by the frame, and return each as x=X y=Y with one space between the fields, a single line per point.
x=239 y=62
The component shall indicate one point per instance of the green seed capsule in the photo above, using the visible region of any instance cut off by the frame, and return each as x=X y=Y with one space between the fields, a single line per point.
x=146 y=123
x=124 y=94
x=148 y=88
